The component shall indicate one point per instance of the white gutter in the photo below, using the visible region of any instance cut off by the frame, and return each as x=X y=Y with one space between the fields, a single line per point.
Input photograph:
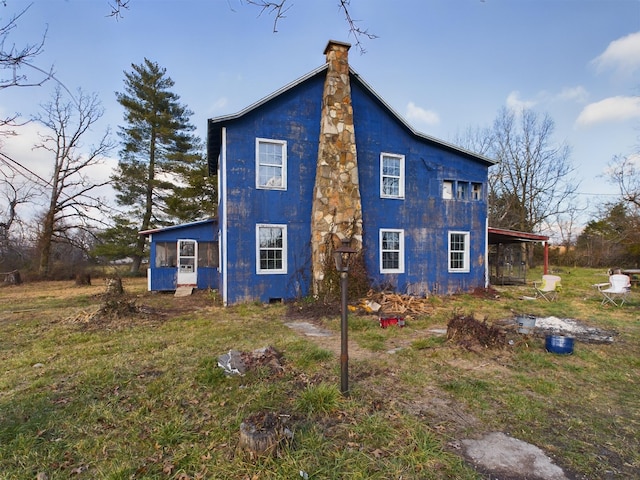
x=486 y=253
x=223 y=214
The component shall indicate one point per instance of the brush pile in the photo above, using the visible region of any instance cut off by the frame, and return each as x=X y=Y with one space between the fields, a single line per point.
x=472 y=334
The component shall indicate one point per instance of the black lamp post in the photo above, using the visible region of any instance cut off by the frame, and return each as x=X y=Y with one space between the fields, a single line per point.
x=341 y=256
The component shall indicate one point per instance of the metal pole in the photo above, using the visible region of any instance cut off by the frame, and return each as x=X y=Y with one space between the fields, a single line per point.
x=344 y=340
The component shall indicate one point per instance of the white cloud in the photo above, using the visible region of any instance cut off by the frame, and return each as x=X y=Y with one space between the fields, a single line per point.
x=219 y=105
x=420 y=115
x=613 y=109
x=622 y=55
x=577 y=94
x=516 y=104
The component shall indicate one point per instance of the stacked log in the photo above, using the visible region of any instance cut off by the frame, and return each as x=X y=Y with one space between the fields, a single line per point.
x=401 y=304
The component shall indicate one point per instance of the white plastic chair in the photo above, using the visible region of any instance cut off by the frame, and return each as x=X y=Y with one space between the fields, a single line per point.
x=548 y=288
x=616 y=291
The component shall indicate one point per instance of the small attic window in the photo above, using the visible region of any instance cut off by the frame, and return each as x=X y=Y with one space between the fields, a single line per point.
x=447 y=189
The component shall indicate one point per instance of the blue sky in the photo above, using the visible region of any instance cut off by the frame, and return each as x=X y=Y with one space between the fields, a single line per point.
x=445 y=65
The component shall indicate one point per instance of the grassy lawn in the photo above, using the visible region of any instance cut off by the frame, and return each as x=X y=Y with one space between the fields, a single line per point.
x=144 y=398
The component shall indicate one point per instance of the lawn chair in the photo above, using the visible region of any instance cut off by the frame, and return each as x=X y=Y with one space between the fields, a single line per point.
x=616 y=291
x=548 y=288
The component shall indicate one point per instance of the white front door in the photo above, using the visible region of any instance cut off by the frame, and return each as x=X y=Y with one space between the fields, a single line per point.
x=187 y=263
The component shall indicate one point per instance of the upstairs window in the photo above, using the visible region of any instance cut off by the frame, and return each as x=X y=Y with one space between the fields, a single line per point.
x=458 y=251
x=476 y=191
x=447 y=189
x=462 y=190
x=391 y=251
x=271 y=164
x=271 y=249
x=391 y=175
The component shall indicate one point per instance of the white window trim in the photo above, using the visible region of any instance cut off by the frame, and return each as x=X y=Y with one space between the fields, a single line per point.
x=279 y=271
x=467 y=249
x=401 y=186
x=400 y=268
x=283 y=143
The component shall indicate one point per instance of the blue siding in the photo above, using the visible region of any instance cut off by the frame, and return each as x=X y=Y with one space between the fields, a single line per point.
x=423 y=214
x=426 y=218
x=294 y=117
x=165 y=278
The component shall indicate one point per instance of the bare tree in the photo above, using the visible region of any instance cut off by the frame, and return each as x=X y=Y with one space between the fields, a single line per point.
x=532 y=182
x=13 y=193
x=13 y=62
x=625 y=173
x=73 y=204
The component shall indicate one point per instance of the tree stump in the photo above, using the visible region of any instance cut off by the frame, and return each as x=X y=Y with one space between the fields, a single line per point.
x=262 y=434
x=114 y=286
x=83 y=279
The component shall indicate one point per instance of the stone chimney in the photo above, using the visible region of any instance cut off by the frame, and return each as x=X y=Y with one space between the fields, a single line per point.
x=336 y=210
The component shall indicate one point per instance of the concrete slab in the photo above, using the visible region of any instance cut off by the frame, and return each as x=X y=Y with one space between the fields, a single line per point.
x=183 y=291
x=508 y=457
x=309 y=329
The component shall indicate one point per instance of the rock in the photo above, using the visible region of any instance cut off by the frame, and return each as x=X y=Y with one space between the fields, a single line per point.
x=232 y=363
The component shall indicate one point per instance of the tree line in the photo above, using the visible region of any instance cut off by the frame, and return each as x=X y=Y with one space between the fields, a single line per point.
x=161 y=179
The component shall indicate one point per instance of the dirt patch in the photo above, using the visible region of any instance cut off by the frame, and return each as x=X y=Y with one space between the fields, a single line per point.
x=313 y=311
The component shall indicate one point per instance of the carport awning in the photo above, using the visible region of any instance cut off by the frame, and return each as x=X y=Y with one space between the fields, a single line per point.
x=496 y=236
x=499 y=235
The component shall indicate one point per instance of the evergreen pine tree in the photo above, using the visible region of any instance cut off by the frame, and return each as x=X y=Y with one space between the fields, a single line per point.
x=160 y=155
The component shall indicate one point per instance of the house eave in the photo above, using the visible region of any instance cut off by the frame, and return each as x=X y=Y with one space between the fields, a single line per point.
x=215 y=124
x=175 y=227
x=501 y=235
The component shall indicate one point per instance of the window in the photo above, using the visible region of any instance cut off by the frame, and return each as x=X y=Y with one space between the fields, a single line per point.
x=208 y=254
x=458 y=251
x=447 y=189
x=476 y=191
x=391 y=251
x=462 y=190
x=271 y=251
x=166 y=254
x=391 y=176
x=271 y=164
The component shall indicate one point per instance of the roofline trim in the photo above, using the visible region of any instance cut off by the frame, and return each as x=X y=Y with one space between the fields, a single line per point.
x=524 y=236
x=173 y=227
x=357 y=76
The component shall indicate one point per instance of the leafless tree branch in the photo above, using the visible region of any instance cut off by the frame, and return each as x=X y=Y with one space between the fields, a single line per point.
x=354 y=29
x=278 y=9
x=117 y=7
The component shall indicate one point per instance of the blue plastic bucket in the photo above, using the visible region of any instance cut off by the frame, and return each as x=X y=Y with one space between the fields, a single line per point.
x=559 y=344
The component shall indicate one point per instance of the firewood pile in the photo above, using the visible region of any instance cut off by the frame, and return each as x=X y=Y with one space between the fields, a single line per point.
x=396 y=303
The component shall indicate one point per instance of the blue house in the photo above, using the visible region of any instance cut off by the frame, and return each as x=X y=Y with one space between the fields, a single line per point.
x=184 y=256
x=325 y=159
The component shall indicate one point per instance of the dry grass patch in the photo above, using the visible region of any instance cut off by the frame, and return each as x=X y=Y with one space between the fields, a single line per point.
x=147 y=399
